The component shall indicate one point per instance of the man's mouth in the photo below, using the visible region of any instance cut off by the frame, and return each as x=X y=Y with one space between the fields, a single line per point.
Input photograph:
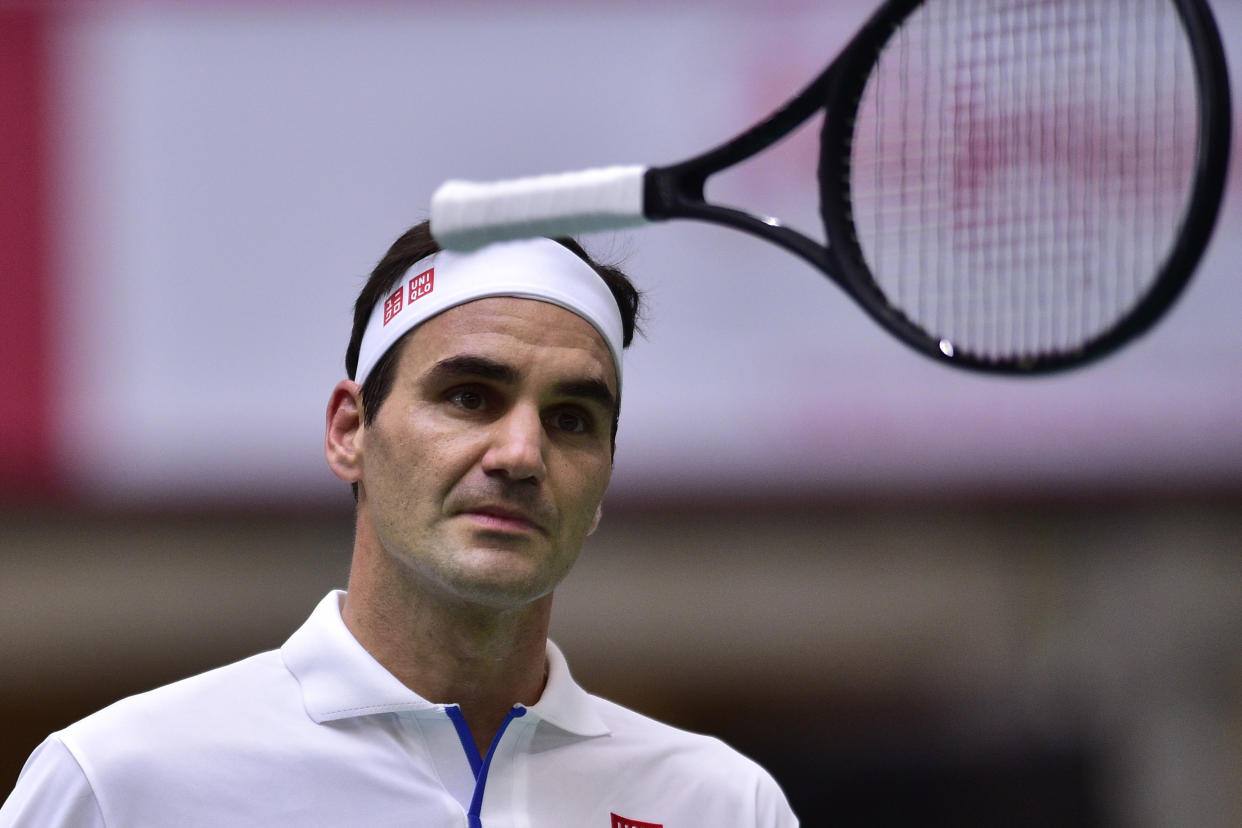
x=504 y=519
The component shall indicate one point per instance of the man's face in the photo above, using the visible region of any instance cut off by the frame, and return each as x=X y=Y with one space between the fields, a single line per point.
x=483 y=470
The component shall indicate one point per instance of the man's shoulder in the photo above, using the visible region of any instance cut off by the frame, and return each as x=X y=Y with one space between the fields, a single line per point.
x=647 y=766
x=628 y=722
x=203 y=706
x=672 y=747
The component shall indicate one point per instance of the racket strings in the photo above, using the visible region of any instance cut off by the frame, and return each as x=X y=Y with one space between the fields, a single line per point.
x=1020 y=169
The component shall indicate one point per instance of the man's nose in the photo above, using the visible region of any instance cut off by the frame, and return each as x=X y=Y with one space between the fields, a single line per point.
x=516 y=446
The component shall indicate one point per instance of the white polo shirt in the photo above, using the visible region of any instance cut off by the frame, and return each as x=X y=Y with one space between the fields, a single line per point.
x=319 y=734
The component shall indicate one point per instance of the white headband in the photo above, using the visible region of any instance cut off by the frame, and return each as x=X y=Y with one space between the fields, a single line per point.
x=528 y=269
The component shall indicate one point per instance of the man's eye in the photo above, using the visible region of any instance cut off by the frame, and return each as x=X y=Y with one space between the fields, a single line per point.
x=467 y=398
x=570 y=421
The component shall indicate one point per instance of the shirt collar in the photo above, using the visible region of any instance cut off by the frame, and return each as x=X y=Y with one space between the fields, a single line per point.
x=339 y=679
x=565 y=704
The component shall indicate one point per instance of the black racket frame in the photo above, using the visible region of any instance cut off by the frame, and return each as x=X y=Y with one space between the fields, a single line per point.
x=677 y=190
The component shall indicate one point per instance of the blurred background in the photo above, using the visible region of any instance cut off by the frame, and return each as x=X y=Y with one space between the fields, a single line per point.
x=919 y=596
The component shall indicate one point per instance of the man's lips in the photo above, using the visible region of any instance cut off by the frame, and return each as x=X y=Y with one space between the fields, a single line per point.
x=504 y=518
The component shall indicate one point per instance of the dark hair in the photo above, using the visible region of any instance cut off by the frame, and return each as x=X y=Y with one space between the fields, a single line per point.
x=417 y=243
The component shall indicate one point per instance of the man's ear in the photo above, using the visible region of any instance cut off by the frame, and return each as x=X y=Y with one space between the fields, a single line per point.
x=342 y=446
x=599 y=515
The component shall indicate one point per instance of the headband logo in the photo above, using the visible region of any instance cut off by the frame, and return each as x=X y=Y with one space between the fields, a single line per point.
x=392 y=306
x=422 y=284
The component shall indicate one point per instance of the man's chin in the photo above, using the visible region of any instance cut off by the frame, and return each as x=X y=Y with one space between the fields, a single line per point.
x=501 y=580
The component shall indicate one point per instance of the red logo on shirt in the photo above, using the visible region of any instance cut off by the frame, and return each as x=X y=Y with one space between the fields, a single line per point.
x=626 y=822
x=422 y=284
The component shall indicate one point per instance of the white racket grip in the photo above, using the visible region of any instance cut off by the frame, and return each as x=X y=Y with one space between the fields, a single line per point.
x=468 y=214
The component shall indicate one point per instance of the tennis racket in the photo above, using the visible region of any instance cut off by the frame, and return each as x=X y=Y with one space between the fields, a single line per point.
x=1013 y=186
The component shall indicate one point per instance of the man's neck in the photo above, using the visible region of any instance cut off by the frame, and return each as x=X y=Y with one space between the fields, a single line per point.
x=447 y=650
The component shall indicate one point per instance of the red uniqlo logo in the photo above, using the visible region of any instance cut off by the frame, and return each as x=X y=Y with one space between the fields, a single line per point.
x=392 y=306
x=625 y=822
x=422 y=284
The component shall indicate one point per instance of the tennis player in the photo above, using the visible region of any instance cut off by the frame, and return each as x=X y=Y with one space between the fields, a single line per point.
x=478 y=432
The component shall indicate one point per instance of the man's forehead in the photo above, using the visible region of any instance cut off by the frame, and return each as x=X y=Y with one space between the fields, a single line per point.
x=532 y=269
x=516 y=332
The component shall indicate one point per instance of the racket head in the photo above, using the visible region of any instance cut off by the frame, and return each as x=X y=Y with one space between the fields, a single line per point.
x=987 y=207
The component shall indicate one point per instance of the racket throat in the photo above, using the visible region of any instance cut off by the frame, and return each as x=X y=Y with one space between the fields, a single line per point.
x=678 y=192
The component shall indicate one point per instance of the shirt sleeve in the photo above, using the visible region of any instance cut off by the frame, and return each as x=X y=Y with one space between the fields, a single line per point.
x=772 y=808
x=52 y=792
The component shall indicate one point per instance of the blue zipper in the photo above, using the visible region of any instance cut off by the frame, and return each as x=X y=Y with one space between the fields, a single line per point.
x=479 y=765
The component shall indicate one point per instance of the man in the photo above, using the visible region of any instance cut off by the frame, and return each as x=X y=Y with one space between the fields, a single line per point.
x=478 y=433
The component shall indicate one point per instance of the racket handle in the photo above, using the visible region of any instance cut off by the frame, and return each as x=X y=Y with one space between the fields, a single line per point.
x=469 y=214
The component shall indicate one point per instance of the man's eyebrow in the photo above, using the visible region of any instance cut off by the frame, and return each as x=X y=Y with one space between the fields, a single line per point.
x=471 y=366
x=592 y=390
x=478 y=367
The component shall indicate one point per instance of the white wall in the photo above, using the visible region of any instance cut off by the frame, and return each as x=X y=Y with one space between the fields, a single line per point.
x=229 y=175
